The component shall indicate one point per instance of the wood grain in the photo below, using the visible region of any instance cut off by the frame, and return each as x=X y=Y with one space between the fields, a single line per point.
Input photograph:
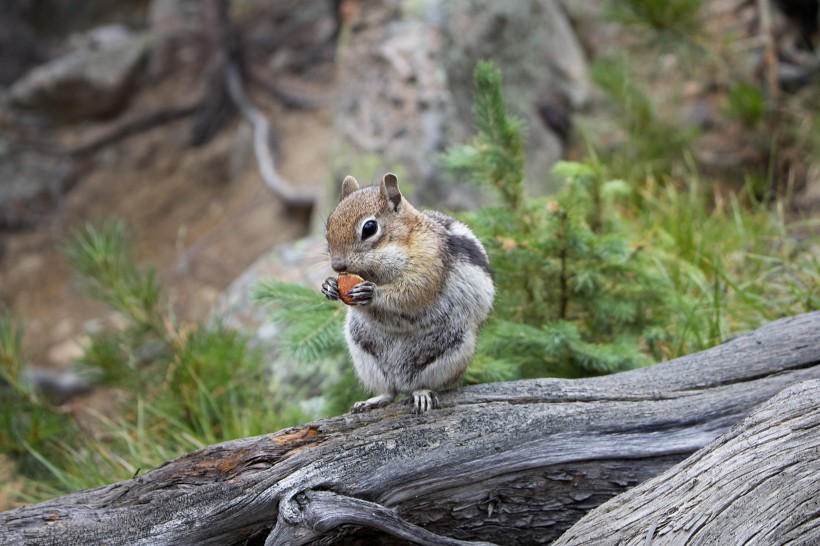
x=756 y=484
x=507 y=463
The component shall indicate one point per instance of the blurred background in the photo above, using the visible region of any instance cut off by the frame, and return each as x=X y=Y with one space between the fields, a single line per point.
x=212 y=137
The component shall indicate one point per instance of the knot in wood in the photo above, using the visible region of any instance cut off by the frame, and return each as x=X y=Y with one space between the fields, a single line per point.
x=292 y=510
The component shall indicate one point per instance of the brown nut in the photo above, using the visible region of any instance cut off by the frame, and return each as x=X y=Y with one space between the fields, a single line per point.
x=346 y=282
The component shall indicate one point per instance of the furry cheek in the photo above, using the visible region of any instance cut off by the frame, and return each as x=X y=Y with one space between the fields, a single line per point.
x=389 y=261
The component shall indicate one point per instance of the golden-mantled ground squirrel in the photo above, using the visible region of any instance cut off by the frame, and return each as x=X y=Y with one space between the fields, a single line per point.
x=427 y=288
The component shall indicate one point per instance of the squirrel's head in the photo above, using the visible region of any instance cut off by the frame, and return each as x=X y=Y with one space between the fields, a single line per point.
x=369 y=232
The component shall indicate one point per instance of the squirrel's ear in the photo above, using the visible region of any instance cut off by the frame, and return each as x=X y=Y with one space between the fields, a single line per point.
x=349 y=185
x=390 y=191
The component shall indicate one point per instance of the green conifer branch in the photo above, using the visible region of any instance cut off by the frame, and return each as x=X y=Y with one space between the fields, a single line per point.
x=312 y=325
x=496 y=154
x=100 y=255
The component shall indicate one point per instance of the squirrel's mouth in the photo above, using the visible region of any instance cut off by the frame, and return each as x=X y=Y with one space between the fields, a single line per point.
x=375 y=275
x=367 y=275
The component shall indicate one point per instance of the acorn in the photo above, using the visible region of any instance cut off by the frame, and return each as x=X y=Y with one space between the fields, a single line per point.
x=346 y=282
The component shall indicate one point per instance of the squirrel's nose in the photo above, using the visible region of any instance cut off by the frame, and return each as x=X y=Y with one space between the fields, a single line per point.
x=338 y=265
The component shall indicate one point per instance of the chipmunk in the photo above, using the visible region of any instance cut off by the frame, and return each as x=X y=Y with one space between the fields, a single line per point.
x=427 y=289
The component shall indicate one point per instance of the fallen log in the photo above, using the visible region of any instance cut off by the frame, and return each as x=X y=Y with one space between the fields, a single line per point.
x=756 y=484
x=507 y=463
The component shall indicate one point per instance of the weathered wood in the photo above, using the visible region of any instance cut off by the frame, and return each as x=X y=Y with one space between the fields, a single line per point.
x=314 y=513
x=509 y=463
x=757 y=484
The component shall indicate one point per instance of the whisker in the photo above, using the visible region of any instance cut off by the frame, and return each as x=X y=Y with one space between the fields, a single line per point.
x=316 y=267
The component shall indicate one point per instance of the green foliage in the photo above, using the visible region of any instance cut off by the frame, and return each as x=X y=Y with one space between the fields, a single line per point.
x=652 y=144
x=182 y=386
x=313 y=326
x=101 y=257
x=312 y=335
x=107 y=355
x=28 y=423
x=11 y=355
x=574 y=296
x=661 y=18
x=720 y=239
x=495 y=157
x=213 y=377
x=731 y=268
x=746 y=104
x=669 y=56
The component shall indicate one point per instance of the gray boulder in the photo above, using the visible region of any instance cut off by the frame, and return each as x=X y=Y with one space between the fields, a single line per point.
x=93 y=80
x=31 y=183
x=405 y=85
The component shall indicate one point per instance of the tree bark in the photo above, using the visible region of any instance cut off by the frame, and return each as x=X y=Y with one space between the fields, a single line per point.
x=756 y=484
x=507 y=463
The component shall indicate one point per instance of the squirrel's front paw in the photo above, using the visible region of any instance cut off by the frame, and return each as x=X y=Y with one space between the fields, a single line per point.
x=330 y=288
x=362 y=293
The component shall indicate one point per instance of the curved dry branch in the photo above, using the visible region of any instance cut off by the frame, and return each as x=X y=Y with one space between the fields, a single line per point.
x=309 y=515
x=509 y=463
x=228 y=74
x=261 y=142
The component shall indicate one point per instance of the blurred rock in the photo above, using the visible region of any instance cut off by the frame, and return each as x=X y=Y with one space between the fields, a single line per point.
x=302 y=261
x=594 y=30
x=241 y=157
x=20 y=47
x=173 y=24
x=93 y=80
x=31 y=184
x=406 y=84
x=175 y=16
x=58 y=386
x=394 y=104
x=65 y=353
x=535 y=45
x=55 y=19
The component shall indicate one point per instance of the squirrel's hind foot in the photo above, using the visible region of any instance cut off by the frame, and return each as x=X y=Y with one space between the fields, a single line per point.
x=422 y=400
x=372 y=403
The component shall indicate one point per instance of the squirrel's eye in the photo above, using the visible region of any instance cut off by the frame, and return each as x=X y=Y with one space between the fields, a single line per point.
x=369 y=229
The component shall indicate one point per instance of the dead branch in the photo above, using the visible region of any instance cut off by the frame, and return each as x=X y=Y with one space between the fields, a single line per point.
x=230 y=61
x=134 y=124
x=288 y=97
x=261 y=143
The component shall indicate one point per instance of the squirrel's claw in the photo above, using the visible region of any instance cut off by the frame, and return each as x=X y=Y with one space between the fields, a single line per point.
x=422 y=400
x=330 y=288
x=362 y=293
